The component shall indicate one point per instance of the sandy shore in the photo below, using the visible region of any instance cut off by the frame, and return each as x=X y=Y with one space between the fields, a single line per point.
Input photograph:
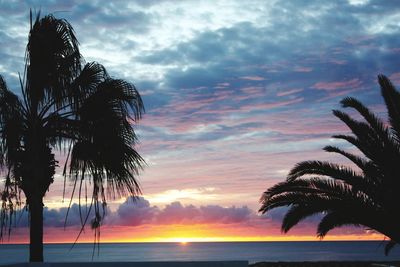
x=325 y=264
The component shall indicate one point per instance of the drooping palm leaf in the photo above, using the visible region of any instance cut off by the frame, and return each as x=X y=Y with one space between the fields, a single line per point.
x=11 y=125
x=11 y=132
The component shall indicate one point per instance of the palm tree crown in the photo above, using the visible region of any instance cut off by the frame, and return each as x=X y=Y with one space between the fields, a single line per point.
x=69 y=106
x=367 y=196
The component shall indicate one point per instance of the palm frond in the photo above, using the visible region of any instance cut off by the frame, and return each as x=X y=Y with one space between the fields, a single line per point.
x=392 y=100
x=357 y=160
x=53 y=61
x=312 y=192
x=312 y=185
x=376 y=123
x=10 y=203
x=104 y=140
x=368 y=216
x=333 y=220
x=11 y=131
x=125 y=95
x=358 y=144
x=298 y=213
x=372 y=173
x=86 y=83
x=389 y=246
x=328 y=169
x=11 y=125
x=364 y=133
x=389 y=146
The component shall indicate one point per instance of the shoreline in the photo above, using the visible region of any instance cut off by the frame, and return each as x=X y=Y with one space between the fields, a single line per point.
x=327 y=264
x=213 y=264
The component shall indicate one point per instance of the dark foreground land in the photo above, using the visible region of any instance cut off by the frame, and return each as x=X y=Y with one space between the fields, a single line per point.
x=326 y=264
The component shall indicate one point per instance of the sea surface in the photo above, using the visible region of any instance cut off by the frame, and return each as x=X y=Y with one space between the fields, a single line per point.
x=250 y=251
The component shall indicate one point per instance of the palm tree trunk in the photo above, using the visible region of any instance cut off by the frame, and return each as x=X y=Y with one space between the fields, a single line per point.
x=36 y=229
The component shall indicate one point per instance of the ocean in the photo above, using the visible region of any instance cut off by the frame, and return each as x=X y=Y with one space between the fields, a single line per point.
x=251 y=251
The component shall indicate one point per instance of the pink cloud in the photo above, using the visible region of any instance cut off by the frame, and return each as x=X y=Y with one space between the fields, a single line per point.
x=265 y=106
x=194 y=100
x=252 y=78
x=221 y=85
x=289 y=92
x=303 y=69
x=395 y=50
x=253 y=90
x=333 y=94
x=395 y=77
x=249 y=93
x=329 y=86
x=297 y=123
x=338 y=61
x=356 y=40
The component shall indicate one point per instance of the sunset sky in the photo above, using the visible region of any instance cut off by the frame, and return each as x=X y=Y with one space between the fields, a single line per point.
x=235 y=94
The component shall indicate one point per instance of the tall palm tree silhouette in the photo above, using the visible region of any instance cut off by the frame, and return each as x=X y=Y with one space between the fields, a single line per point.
x=78 y=109
x=368 y=196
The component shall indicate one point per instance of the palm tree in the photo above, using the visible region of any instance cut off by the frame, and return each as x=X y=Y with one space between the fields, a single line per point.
x=65 y=106
x=367 y=196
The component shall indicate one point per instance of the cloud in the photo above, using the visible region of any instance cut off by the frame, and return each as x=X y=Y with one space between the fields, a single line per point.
x=303 y=69
x=330 y=86
x=215 y=213
x=138 y=211
x=253 y=78
x=176 y=213
x=57 y=217
x=289 y=92
x=395 y=77
x=141 y=212
x=134 y=212
x=177 y=195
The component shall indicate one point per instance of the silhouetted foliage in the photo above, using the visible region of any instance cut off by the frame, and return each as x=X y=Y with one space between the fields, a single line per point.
x=78 y=109
x=368 y=196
